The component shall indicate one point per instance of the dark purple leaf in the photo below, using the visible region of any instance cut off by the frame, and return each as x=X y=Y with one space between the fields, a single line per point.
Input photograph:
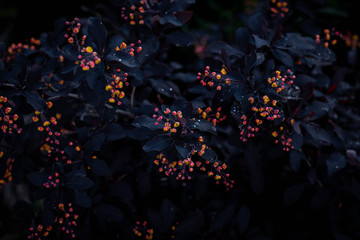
x=225 y=58
x=300 y=42
x=185 y=77
x=312 y=176
x=243 y=218
x=355 y=188
x=351 y=155
x=316 y=110
x=215 y=47
x=257 y=181
x=93 y=75
x=97 y=32
x=70 y=51
x=157 y=143
x=180 y=38
x=184 y=16
x=241 y=93
x=141 y=133
x=114 y=131
x=177 y=6
x=283 y=57
x=322 y=80
x=37 y=178
x=256 y=23
x=260 y=42
x=170 y=18
x=122 y=60
x=317 y=133
x=35 y=100
x=121 y=191
x=252 y=158
x=143 y=183
x=183 y=151
x=82 y=199
x=295 y=160
x=98 y=166
x=78 y=182
x=242 y=38
x=109 y=213
x=203 y=126
x=320 y=198
x=192 y=221
x=293 y=193
x=335 y=162
x=222 y=218
x=155 y=219
x=158 y=69
x=302 y=79
x=95 y=142
x=114 y=42
x=167 y=212
x=166 y=88
x=148 y=122
x=297 y=139
x=210 y=155
x=260 y=58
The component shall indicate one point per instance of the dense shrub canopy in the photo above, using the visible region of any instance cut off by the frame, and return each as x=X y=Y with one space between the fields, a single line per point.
x=176 y=119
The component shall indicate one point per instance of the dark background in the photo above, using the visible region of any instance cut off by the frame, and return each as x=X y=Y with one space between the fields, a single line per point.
x=20 y=20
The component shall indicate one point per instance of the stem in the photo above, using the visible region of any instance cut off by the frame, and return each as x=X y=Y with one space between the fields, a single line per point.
x=132 y=98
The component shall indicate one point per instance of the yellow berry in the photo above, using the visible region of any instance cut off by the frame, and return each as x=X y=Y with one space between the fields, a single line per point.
x=89 y=49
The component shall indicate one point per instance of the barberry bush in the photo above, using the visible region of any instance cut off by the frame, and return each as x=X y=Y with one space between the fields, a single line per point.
x=148 y=119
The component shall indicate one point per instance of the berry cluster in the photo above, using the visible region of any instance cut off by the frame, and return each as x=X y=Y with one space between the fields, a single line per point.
x=279 y=8
x=45 y=125
x=263 y=109
x=282 y=136
x=73 y=28
x=135 y=14
x=192 y=153
x=116 y=85
x=211 y=116
x=51 y=80
x=7 y=177
x=183 y=168
x=53 y=142
x=116 y=78
x=248 y=129
x=351 y=40
x=7 y=121
x=281 y=82
x=22 y=48
x=88 y=58
x=39 y=232
x=330 y=37
x=213 y=79
x=140 y=230
x=66 y=218
x=131 y=48
x=171 y=120
x=52 y=181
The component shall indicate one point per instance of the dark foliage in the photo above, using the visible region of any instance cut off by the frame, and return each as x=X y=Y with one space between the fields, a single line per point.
x=132 y=122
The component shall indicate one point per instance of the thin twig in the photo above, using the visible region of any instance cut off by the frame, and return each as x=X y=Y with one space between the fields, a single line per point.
x=132 y=98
